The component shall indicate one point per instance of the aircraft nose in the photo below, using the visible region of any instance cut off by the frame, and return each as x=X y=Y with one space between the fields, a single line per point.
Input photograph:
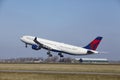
x=22 y=38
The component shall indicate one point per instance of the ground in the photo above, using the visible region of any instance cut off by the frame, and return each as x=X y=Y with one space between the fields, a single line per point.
x=52 y=72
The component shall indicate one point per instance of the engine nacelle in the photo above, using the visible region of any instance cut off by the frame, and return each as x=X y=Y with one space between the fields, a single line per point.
x=36 y=47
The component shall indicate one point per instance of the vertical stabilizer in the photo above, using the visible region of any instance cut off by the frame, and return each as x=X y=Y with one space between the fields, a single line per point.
x=94 y=44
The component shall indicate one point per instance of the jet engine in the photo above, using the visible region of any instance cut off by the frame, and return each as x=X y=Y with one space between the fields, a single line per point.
x=36 y=47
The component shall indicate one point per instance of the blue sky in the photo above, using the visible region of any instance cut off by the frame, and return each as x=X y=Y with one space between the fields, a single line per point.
x=75 y=22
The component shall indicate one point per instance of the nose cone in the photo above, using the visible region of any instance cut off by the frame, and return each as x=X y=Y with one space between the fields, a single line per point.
x=22 y=39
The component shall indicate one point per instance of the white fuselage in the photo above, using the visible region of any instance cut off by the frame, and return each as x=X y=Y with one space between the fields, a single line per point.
x=56 y=46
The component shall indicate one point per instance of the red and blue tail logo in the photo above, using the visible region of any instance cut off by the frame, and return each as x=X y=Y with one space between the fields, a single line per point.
x=94 y=44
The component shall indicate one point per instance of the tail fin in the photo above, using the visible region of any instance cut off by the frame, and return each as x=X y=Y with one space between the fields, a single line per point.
x=94 y=44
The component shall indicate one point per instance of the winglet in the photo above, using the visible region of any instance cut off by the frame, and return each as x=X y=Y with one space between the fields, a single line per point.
x=94 y=44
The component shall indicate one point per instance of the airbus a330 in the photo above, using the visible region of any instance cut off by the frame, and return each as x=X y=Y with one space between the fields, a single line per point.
x=39 y=43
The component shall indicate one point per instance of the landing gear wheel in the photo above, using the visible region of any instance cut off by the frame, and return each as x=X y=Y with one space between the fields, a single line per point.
x=48 y=53
x=60 y=54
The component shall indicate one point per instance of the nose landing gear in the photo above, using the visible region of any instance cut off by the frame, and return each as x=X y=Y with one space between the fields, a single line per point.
x=26 y=45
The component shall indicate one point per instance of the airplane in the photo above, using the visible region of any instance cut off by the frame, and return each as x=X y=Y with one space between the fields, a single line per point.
x=38 y=43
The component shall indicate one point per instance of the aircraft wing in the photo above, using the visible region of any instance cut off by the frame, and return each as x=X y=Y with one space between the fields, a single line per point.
x=45 y=45
x=51 y=47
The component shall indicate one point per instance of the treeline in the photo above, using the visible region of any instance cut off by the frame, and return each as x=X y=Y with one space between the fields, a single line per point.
x=54 y=59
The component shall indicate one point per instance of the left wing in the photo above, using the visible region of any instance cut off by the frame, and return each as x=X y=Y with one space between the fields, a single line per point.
x=45 y=45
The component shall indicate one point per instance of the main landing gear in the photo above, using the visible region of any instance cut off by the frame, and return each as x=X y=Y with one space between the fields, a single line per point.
x=60 y=54
x=49 y=54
